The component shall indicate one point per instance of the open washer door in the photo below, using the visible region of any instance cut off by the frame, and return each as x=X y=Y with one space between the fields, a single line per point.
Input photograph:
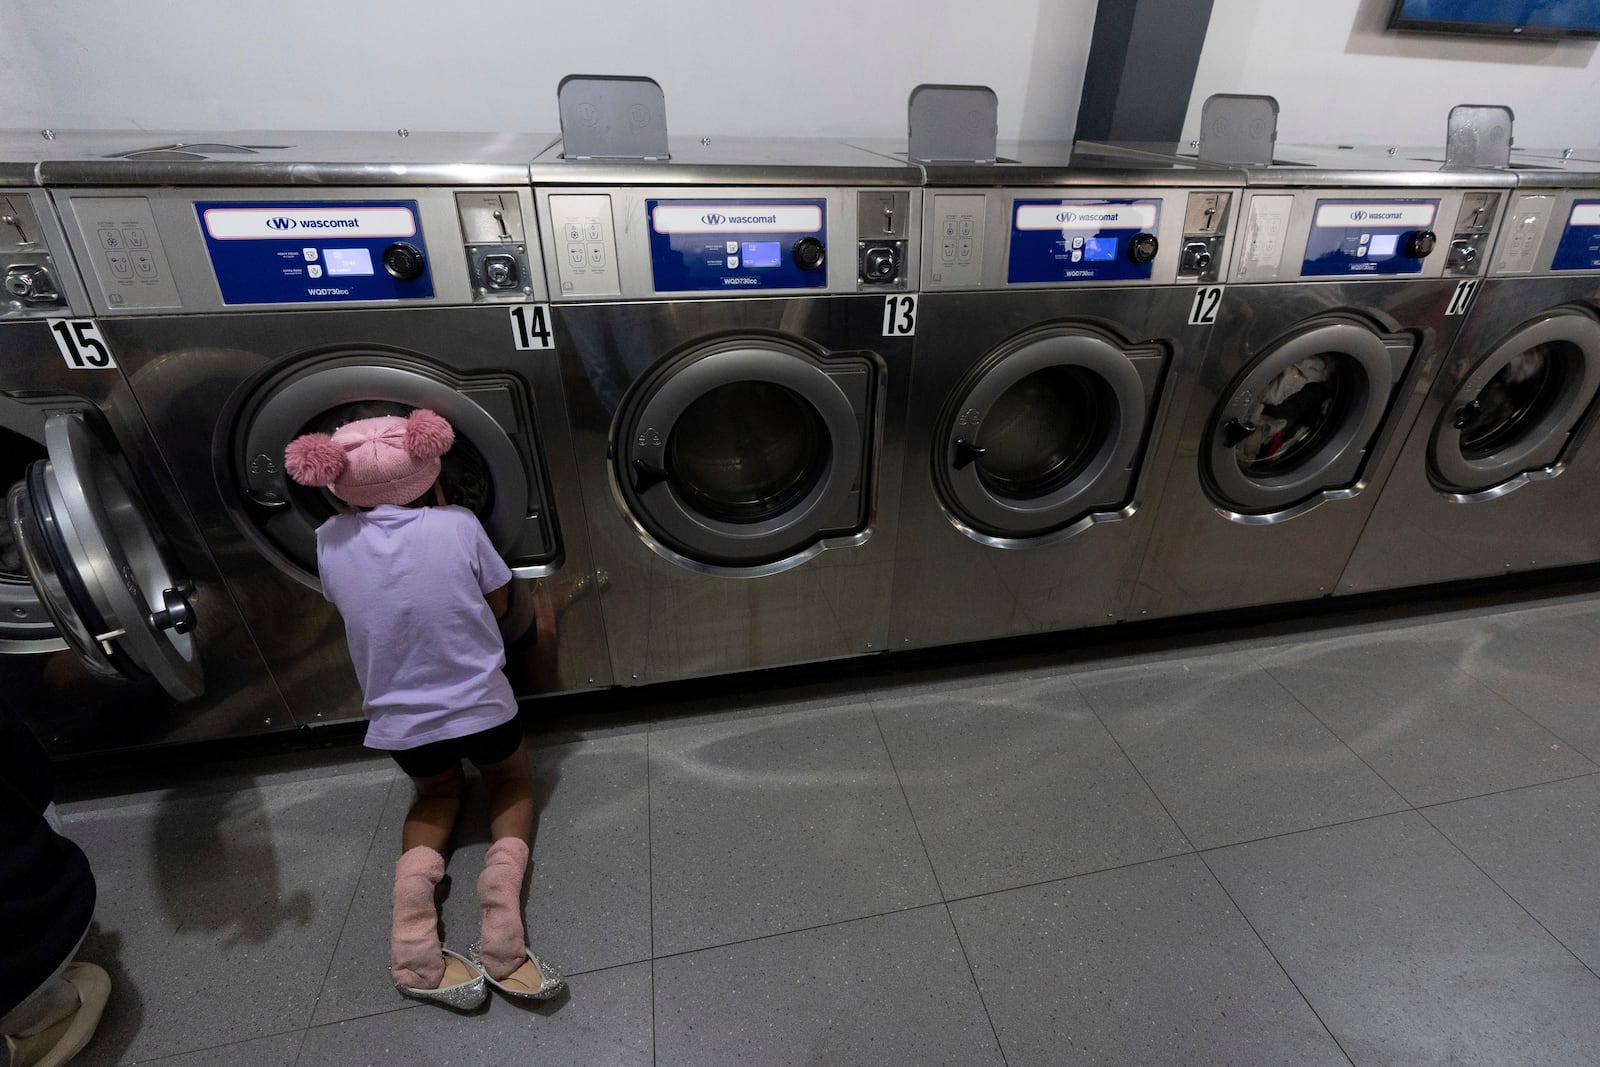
x=100 y=565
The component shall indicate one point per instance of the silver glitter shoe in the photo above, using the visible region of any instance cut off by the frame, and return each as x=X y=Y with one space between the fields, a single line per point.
x=464 y=986
x=520 y=983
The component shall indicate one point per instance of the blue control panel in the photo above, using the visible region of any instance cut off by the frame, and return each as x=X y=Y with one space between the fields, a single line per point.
x=305 y=253
x=1079 y=240
x=706 y=246
x=1580 y=239
x=1366 y=237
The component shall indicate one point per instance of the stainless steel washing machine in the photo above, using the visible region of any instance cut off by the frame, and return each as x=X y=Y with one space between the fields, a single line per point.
x=257 y=286
x=1058 y=326
x=1500 y=474
x=116 y=631
x=1348 y=281
x=735 y=333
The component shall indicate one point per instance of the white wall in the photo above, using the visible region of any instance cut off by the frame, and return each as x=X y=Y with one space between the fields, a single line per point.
x=731 y=67
x=1339 y=77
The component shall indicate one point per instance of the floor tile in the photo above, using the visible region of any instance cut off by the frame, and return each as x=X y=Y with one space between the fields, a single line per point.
x=1148 y=964
x=1230 y=753
x=604 y=1022
x=1400 y=700
x=1018 y=783
x=775 y=823
x=1542 y=845
x=1544 y=664
x=1408 y=952
x=893 y=989
x=221 y=908
x=280 y=1050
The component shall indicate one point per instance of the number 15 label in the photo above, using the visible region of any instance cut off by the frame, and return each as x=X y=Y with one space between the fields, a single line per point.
x=81 y=344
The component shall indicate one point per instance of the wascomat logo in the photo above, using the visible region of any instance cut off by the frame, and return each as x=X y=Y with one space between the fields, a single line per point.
x=759 y=218
x=237 y=222
x=1088 y=216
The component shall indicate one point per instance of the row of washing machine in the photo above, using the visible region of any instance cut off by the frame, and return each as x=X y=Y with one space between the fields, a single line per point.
x=762 y=403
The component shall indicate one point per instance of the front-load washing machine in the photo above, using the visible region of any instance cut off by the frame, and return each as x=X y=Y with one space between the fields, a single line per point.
x=735 y=327
x=250 y=298
x=1058 y=325
x=1348 y=281
x=116 y=630
x=1500 y=472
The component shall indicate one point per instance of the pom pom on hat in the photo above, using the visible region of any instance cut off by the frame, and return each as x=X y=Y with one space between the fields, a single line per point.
x=314 y=460
x=382 y=460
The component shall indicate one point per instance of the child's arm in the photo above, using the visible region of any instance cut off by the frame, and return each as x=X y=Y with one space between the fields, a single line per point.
x=499 y=600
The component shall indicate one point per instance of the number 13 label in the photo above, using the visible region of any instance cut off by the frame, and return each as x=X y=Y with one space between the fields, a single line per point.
x=899 y=316
x=81 y=344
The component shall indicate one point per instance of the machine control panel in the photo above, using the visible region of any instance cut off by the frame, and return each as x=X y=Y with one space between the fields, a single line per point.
x=27 y=271
x=496 y=245
x=1526 y=223
x=125 y=252
x=730 y=246
x=1205 y=230
x=1579 y=248
x=1083 y=240
x=1469 y=242
x=1370 y=237
x=294 y=252
x=882 y=223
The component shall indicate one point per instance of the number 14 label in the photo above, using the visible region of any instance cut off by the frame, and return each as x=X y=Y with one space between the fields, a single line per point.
x=530 y=327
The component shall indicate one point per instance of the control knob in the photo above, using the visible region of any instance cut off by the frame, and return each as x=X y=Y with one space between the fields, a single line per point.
x=1419 y=245
x=879 y=264
x=809 y=253
x=1143 y=247
x=1196 y=258
x=403 y=262
x=499 y=271
x=31 y=285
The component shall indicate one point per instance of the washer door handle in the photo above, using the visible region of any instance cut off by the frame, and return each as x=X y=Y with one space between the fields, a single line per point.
x=646 y=474
x=966 y=452
x=1465 y=414
x=176 y=613
x=1236 y=430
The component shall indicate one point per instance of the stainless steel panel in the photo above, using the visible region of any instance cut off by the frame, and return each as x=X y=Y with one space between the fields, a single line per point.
x=1419 y=535
x=749 y=161
x=1200 y=557
x=950 y=586
x=189 y=373
x=665 y=620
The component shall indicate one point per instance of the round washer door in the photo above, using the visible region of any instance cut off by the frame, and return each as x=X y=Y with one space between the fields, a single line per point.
x=1516 y=410
x=494 y=468
x=1045 y=431
x=1299 y=420
x=747 y=452
x=99 y=565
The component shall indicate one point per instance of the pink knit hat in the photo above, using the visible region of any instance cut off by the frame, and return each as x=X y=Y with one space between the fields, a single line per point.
x=386 y=460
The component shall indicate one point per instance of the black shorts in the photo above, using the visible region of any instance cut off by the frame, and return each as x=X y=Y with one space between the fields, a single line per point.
x=486 y=746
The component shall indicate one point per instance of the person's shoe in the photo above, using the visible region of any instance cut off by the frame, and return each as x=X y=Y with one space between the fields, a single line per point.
x=534 y=980
x=463 y=986
x=64 y=1039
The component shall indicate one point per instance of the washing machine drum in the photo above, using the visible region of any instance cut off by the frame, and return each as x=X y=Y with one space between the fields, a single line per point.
x=1517 y=410
x=748 y=452
x=102 y=572
x=1045 y=432
x=495 y=468
x=1299 y=421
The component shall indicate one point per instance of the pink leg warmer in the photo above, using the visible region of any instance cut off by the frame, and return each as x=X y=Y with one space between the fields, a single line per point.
x=503 y=944
x=415 y=958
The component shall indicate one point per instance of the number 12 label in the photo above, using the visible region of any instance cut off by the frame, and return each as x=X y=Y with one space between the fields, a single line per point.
x=81 y=344
x=1203 y=312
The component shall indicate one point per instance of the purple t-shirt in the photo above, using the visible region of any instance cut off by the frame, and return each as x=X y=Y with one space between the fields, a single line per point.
x=409 y=583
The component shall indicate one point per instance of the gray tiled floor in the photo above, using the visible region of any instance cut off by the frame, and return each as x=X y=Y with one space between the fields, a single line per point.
x=1360 y=839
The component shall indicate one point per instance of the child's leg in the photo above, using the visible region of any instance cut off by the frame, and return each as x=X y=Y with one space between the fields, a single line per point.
x=502 y=946
x=416 y=959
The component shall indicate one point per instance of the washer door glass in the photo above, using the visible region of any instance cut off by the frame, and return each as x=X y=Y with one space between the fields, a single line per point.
x=1516 y=410
x=1300 y=420
x=747 y=453
x=1045 y=431
x=25 y=625
x=103 y=573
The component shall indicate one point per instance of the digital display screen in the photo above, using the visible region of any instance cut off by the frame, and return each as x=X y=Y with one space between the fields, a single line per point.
x=347 y=261
x=1099 y=249
x=1518 y=18
x=762 y=253
x=1383 y=245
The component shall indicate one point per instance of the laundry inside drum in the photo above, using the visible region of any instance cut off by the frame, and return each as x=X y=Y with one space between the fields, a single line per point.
x=1516 y=398
x=1298 y=412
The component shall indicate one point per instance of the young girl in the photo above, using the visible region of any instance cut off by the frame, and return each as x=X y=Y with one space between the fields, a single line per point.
x=419 y=587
